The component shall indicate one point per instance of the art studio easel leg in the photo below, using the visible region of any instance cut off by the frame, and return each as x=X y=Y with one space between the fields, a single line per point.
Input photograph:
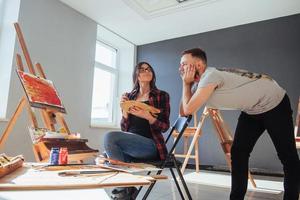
x=12 y=121
x=223 y=134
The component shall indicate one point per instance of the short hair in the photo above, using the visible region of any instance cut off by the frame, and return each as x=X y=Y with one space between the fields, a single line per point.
x=196 y=52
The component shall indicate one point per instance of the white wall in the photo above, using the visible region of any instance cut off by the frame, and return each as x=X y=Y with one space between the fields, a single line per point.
x=63 y=41
x=9 y=10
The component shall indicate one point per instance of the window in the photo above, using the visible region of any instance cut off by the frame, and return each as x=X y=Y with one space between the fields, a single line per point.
x=104 y=86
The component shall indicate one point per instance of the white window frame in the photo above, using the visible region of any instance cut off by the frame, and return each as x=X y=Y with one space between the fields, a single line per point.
x=114 y=71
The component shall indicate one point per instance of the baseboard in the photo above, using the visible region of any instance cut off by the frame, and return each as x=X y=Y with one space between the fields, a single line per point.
x=254 y=171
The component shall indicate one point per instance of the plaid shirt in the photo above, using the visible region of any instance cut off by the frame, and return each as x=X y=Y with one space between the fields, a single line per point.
x=161 y=100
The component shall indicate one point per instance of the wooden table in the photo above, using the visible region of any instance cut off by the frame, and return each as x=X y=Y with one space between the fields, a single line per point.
x=76 y=194
x=30 y=178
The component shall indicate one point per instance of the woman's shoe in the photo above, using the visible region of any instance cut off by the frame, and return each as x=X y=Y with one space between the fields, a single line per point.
x=121 y=193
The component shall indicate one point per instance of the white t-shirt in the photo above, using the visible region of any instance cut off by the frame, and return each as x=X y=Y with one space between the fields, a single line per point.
x=241 y=90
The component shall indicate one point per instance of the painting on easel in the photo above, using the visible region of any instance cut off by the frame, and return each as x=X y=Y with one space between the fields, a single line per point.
x=40 y=92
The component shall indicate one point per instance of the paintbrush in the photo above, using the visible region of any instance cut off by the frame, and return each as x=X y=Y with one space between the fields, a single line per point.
x=117 y=162
x=89 y=172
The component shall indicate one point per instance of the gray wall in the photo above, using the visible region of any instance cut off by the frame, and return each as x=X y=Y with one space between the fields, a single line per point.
x=63 y=41
x=270 y=47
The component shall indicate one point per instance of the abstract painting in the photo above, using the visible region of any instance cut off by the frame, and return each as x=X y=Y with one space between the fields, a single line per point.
x=40 y=92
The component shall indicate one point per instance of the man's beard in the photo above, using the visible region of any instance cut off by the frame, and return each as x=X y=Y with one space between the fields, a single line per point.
x=197 y=77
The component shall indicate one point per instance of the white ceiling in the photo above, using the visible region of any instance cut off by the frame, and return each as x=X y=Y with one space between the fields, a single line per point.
x=130 y=19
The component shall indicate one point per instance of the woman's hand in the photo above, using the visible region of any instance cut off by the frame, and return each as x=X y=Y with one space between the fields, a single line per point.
x=123 y=99
x=142 y=114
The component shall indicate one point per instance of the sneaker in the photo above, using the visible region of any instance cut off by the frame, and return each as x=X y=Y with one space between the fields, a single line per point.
x=132 y=192
x=121 y=193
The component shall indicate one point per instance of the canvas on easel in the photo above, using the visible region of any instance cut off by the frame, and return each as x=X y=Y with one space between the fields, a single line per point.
x=40 y=92
x=43 y=98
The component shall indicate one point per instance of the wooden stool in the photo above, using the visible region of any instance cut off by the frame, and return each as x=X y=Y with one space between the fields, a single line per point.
x=189 y=133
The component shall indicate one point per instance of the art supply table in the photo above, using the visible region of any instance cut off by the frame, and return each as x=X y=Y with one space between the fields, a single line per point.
x=33 y=177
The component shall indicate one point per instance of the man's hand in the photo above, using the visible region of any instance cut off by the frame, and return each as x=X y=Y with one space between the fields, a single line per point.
x=188 y=74
x=142 y=114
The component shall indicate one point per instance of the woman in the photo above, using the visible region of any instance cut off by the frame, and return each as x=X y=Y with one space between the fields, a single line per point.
x=141 y=136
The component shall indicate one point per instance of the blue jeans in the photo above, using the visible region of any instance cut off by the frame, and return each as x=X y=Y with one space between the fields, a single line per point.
x=125 y=146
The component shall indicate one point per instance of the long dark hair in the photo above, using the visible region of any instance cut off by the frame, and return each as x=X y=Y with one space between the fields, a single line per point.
x=135 y=74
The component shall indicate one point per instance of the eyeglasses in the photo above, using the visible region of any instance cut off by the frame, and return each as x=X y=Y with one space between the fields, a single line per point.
x=147 y=69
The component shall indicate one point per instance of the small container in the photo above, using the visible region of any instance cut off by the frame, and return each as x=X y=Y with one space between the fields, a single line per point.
x=63 y=156
x=54 y=156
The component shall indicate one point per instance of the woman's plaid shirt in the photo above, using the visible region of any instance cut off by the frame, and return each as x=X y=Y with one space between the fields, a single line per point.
x=161 y=100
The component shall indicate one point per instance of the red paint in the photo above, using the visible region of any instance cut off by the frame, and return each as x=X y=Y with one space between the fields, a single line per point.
x=40 y=90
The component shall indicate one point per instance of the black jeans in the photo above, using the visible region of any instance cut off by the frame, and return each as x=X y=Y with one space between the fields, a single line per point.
x=279 y=124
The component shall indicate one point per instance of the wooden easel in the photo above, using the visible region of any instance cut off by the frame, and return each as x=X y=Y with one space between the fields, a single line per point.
x=222 y=132
x=78 y=150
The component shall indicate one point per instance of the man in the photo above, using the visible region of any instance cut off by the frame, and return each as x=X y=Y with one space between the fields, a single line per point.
x=264 y=105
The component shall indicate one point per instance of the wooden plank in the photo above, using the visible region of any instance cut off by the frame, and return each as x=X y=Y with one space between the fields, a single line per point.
x=19 y=62
x=12 y=121
x=46 y=120
x=197 y=156
x=24 y=48
x=40 y=70
x=195 y=139
x=34 y=122
x=62 y=121
x=159 y=177
x=27 y=178
x=184 y=156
